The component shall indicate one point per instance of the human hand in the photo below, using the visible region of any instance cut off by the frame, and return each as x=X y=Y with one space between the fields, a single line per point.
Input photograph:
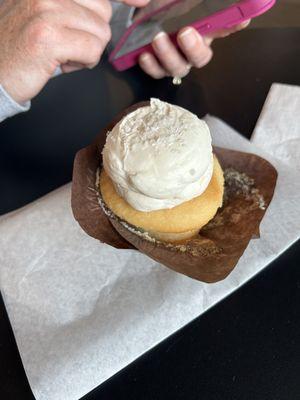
x=37 y=36
x=196 y=52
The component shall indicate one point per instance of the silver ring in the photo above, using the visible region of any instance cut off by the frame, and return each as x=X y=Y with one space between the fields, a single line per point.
x=177 y=80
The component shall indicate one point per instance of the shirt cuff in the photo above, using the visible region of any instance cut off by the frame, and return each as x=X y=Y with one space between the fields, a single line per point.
x=9 y=107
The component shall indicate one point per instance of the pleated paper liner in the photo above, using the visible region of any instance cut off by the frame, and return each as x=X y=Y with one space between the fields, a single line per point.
x=249 y=187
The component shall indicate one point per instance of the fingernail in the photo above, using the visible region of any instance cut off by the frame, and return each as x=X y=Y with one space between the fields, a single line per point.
x=188 y=38
x=246 y=23
x=145 y=57
x=160 y=41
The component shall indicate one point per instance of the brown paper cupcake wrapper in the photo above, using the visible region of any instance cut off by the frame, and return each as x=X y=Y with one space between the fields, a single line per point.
x=249 y=186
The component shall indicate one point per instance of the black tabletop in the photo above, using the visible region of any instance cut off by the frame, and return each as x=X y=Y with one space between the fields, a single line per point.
x=246 y=347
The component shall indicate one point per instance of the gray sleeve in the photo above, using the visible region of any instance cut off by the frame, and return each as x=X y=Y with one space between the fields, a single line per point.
x=9 y=107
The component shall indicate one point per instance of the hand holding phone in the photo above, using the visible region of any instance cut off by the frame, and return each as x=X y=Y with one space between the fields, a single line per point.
x=205 y=16
x=195 y=51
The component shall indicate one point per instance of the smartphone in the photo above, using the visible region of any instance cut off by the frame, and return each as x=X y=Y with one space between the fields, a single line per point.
x=206 y=16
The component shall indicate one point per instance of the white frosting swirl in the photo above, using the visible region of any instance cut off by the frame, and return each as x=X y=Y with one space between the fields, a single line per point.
x=159 y=156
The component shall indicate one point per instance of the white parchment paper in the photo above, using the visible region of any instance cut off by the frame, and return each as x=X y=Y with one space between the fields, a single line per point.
x=81 y=310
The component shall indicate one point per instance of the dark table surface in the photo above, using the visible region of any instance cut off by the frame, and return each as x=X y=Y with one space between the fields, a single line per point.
x=246 y=347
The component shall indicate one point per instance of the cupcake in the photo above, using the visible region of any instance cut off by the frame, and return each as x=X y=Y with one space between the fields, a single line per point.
x=159 y=182
x=159 y=173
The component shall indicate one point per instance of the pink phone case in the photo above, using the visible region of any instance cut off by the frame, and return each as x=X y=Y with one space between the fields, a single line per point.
x=231 y=16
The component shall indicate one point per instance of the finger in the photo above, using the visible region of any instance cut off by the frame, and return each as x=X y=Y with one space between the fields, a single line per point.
x=243 y=25
x=193 y=47
x=135 y=3
x=81 y=18
x=226 y=32
x=72 y=67
x=102 y=8
x=169 y=56
x=78 y=47
x=150 y=65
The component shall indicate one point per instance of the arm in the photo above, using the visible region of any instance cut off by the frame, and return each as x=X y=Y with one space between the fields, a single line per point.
x=38 y=36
